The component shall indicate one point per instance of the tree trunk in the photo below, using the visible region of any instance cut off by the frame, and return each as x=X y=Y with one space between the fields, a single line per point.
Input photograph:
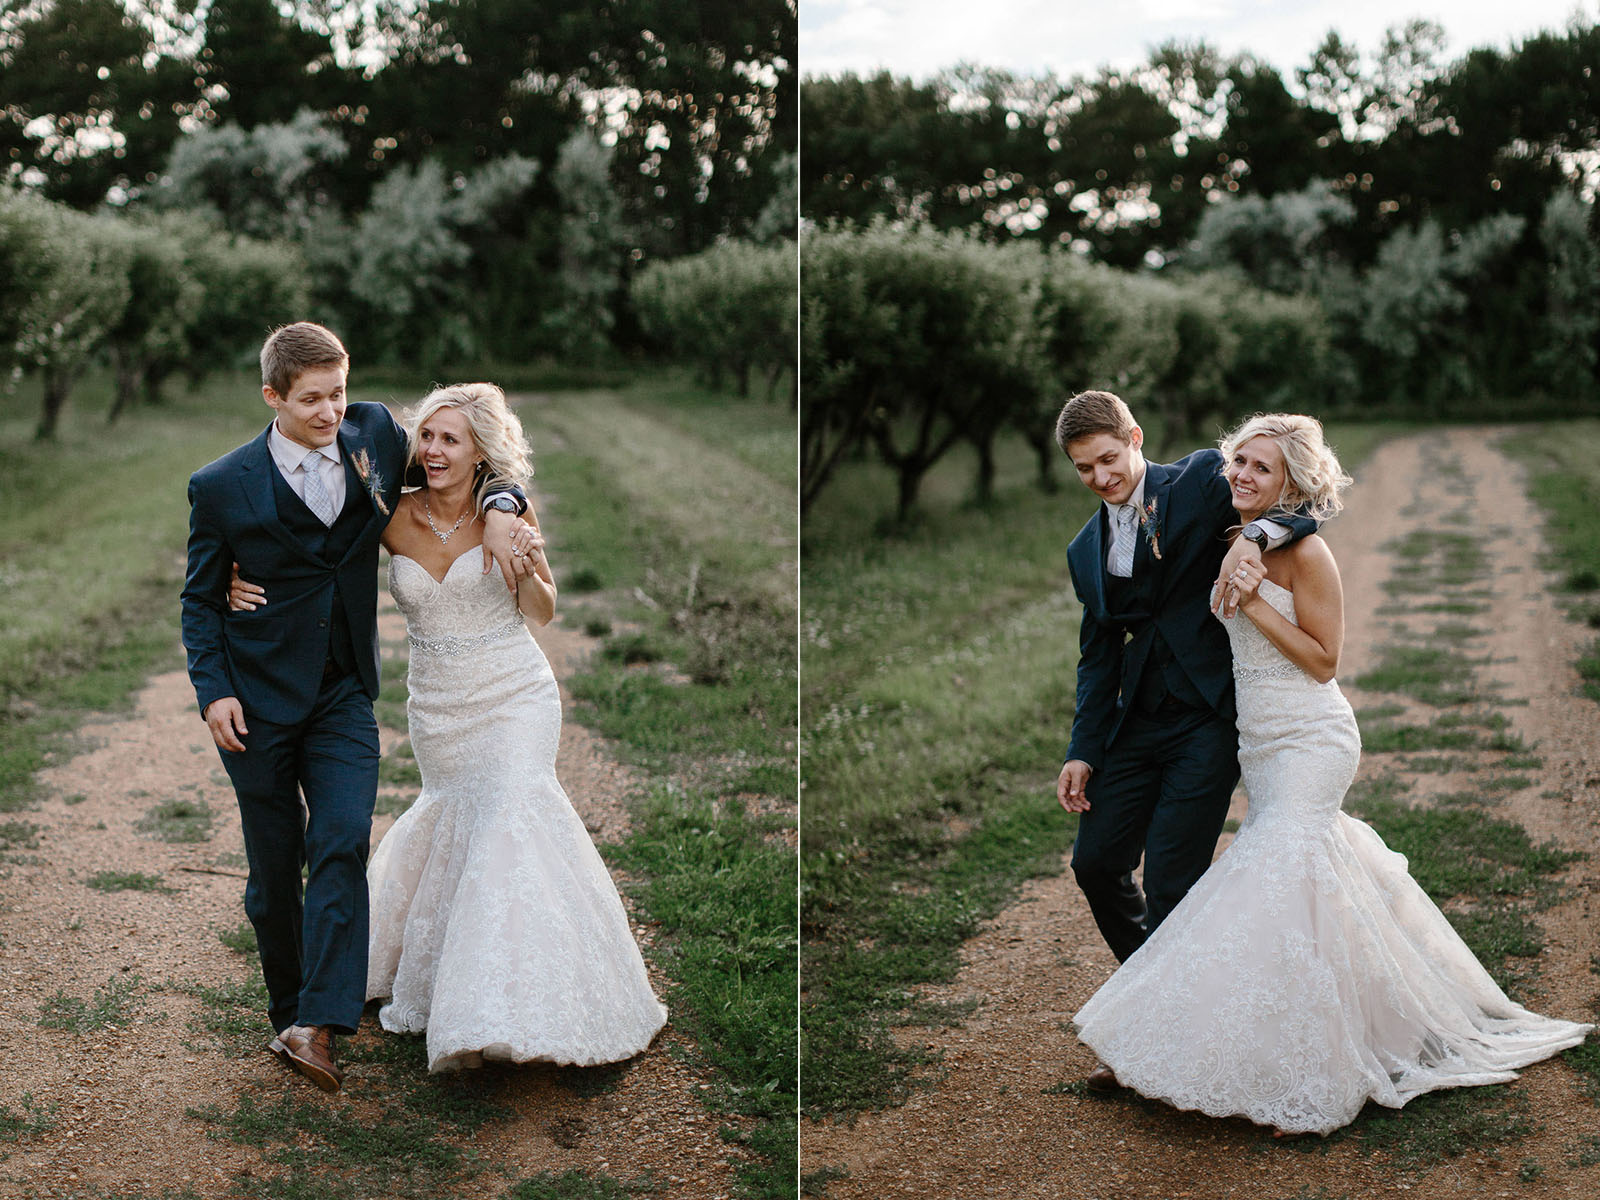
x=1045 y=450
x=57 y=386
x=911 y=473
x=985 y=481
x=130 y=375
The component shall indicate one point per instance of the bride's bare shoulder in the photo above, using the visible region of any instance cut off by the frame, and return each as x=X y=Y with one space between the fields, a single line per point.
x=1311 y=561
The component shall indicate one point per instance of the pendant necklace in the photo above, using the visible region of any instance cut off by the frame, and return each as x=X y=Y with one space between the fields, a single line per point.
x=445 y=536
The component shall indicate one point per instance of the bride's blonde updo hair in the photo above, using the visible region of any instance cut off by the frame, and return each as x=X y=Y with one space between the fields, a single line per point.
x=496 y=433
x=1313 y=477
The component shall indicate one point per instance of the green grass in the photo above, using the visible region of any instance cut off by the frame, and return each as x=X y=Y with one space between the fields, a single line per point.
x=111 y=1005
x=1563 y=463
x=233 y=1015
x=1438 y=676
x=33 y=1119
x=575 y=1185
x=700 y=694
x=391 y=1154
x=1440 y=1126
x=178 y=821
x=241 y=939
x=78 y=639
x=127 y=881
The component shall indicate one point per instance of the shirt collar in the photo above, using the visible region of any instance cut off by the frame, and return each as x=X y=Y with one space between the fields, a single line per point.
x=1135 y=501
x=288 y=455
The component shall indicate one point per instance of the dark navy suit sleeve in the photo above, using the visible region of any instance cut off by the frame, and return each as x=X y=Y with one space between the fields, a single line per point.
x=1099 y=681
x=205 y=589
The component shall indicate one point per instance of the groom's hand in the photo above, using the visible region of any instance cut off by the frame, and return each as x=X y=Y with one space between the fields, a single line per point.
x=225 y=719
x=1072 y=785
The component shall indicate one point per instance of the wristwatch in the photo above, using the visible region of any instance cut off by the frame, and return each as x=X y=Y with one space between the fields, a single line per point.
x=1254 y=533
x=505 y=504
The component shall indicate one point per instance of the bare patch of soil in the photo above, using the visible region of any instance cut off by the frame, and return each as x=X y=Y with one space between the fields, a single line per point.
x=1004 y=1113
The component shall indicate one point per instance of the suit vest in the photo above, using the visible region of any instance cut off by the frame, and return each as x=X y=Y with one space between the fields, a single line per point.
x=1131 y=603
x=328 y=542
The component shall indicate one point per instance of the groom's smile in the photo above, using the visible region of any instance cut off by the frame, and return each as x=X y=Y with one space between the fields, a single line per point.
x=1109 y=467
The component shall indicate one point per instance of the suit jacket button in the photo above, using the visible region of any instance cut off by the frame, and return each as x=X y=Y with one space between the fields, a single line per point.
x=322 y=624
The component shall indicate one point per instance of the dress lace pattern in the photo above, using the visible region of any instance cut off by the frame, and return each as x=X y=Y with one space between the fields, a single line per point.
x=495 y=925
x=1306 y=972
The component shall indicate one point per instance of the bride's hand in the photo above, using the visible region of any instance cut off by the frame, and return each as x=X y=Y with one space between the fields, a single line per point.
x=1244 y=581
x=243 y=596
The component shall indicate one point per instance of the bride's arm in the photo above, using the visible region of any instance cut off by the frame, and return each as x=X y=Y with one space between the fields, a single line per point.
x=536 y=591
x=1315 y=643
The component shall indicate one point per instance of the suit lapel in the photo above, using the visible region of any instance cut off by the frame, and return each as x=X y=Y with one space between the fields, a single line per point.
x=1157 y=486
x=1095 y=568
x=353 y=446
x=256 y=482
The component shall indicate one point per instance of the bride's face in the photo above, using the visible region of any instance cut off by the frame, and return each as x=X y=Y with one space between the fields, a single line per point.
x=446 y=449
x=1256 y=476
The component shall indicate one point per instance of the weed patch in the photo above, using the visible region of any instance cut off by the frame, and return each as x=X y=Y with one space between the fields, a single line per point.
x=127 y=881
x=178 y=821
x=111 y=1005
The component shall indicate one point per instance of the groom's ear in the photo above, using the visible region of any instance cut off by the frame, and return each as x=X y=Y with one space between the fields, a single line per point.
x=1136 y=438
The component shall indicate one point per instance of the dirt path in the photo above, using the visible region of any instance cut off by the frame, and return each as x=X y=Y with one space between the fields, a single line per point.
x=119 y=1093
x=995 y=1122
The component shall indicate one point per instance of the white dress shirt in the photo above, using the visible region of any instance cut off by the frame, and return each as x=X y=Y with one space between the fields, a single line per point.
x=289 y=456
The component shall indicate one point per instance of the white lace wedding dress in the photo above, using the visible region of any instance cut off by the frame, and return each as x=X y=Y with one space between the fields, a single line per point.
x=495 y=925
x=1306 y=972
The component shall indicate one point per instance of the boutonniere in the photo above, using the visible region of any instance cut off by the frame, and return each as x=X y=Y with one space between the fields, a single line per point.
x=374 y=480
x=1147 y=522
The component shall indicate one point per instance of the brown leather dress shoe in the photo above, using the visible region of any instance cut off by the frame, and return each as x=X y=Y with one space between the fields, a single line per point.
x=309 y=1050
x=1102 y=1079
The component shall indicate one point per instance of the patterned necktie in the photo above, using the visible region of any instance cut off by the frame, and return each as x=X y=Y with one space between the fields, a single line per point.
x=316 y=494
x=1122 y=542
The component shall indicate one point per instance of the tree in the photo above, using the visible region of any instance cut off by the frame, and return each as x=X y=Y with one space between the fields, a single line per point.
x=914 y=341
x=410 y=256
x=590 y=248
x=77 y=294
x=1279 y=243
x=81 y=112
x=265 y=182
x=164 y=302
x=1567 y=359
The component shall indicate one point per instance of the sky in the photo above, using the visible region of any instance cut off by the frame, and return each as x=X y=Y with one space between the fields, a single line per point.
x=1071 y=37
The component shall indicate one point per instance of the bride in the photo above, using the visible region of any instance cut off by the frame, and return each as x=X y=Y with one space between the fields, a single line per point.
x=1306 y=972
x=495 y=925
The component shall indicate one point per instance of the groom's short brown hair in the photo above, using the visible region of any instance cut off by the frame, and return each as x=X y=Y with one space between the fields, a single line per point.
x=296 y=348
x=1090 y=413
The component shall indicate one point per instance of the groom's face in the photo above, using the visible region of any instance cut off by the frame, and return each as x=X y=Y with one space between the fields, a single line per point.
x=313 y=408
x=1109 y=467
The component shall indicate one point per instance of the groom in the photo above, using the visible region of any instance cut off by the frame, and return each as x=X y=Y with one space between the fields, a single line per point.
x=287 y=690
x=1154 y=753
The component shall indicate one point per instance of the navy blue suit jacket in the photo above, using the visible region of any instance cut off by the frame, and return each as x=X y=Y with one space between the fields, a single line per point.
x=272 y=659
x=1193 y=512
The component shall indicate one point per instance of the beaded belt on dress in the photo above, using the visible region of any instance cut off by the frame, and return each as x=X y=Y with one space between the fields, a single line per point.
x=1278 y=670
x=455 y=645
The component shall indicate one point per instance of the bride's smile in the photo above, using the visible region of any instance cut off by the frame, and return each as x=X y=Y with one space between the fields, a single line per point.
x=1255 y=476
